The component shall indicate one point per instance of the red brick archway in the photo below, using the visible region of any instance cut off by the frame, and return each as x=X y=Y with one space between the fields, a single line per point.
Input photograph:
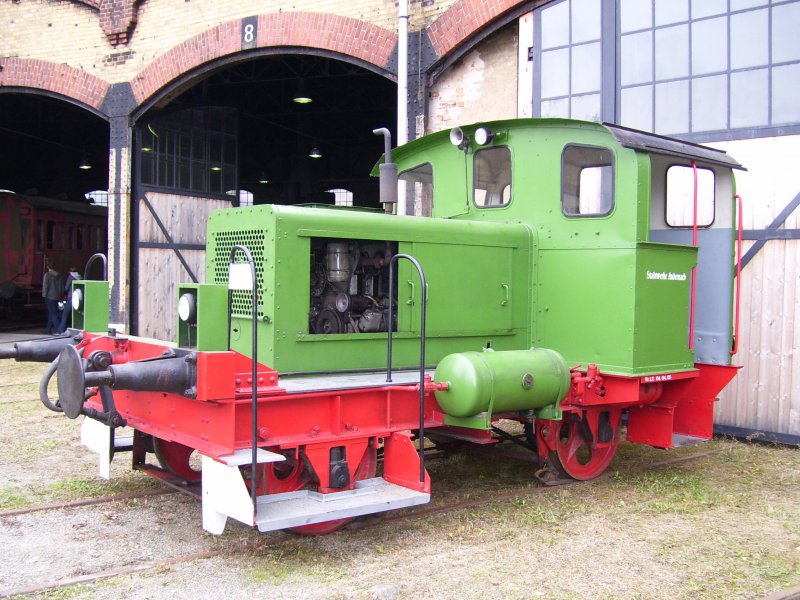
x=353 y=38
x=71 y=83
x=463 y=19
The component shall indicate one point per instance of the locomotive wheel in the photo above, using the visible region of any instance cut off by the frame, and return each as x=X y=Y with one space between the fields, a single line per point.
x=292 y=475
x=174 y=457
x=578 y=458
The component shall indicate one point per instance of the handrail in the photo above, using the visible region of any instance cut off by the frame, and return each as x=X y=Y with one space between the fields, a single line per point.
x=390 y=326
x=91 y=260
x=254 y=373
x=693 y=292
x=740 y=227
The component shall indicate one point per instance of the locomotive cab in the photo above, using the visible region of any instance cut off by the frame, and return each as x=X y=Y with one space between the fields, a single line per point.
x=612 y=214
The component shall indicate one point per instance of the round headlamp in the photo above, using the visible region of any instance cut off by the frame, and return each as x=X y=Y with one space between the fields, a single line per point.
x=187 y=308
x=483 y=135
x=77 y=299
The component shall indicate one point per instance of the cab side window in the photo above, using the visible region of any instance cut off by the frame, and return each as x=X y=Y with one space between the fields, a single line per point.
x=587 y=181
x=419 y=189
x=681 y=196
x=492 y=177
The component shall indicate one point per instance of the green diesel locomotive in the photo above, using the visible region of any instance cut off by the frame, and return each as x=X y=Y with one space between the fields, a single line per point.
x=567 y=275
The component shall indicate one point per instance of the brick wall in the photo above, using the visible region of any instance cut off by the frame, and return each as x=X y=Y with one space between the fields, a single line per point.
x=115 y=41
x=481 y=86
x=79 y=32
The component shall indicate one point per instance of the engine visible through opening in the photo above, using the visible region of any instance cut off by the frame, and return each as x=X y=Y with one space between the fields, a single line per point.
x=350 y=286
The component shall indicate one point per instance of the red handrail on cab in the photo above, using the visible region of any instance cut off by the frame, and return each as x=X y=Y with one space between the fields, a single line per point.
x=739 y=236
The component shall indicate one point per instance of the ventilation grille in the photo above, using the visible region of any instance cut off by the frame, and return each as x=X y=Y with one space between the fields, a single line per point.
x=253 y=240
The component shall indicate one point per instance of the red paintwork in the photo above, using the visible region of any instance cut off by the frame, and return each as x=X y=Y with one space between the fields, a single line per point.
x=685 y=407
x=218 y=421
x=33 y=229
x=739 y=235
x=564 y=444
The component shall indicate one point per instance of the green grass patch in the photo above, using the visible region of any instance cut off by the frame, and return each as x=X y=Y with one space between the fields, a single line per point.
x=12 y=498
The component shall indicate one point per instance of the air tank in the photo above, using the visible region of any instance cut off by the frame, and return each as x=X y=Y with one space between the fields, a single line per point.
x=502 y=381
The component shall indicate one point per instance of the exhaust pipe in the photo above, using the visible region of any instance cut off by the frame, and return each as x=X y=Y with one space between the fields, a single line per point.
x=387 y=173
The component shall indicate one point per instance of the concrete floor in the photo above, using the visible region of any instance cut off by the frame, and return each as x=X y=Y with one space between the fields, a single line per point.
x=7 y=338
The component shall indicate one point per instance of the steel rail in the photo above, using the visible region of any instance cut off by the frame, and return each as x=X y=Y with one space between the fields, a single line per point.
x=85 y=502
x=276 y=539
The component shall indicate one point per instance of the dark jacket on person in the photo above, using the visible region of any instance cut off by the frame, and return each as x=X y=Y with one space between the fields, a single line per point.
x=52 y=289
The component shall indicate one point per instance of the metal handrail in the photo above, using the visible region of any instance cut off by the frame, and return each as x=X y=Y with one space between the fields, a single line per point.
x=254 y=373
x=89 y=262
x=421 y=350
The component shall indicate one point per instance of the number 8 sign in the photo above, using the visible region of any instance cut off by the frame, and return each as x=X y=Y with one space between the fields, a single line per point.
x=249 y=32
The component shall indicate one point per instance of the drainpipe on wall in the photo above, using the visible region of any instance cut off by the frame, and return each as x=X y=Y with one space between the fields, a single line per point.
x=402 y=91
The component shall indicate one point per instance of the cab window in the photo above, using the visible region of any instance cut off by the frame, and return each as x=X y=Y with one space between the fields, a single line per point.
x=587 y=181
x=492 y=177
x=419 y=189
x=680 y=196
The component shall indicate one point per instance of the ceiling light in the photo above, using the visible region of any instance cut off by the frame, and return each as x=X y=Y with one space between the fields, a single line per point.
x=84 y=164
x=300 y=96
x=216 y=168
x=315 y=153
x=263 y=178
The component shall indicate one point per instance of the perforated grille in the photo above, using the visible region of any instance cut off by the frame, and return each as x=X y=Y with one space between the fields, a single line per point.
x=253 y=240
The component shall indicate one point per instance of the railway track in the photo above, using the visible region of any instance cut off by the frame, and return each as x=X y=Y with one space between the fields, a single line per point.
x=277 y=538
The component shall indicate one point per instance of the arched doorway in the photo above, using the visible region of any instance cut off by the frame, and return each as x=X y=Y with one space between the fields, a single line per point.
x=54 y=155
x=241 y=128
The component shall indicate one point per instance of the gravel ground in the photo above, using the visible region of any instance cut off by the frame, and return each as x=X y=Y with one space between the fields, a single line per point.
x=721 y=526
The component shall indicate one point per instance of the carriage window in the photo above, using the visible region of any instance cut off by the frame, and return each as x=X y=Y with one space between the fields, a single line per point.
x=492 y=177
x=587 y=185
x=680 y=196
x=419 y=189
x=51 y=235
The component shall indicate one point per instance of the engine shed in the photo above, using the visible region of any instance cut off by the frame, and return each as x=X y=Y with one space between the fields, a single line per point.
x=177 y=122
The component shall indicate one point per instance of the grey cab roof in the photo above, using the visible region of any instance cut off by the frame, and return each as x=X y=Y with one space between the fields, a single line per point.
x=649 y=142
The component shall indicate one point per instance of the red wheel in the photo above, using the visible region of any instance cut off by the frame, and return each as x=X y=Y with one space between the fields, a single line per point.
x=578 y=458
x=291 y=475
x=175 y=458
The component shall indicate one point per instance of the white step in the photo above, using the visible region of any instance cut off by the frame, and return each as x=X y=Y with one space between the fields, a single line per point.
x=245 y=457
x=293 y=509
x=679 y=439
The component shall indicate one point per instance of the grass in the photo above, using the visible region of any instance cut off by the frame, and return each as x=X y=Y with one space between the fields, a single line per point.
x=72 y=488
x=722 y=526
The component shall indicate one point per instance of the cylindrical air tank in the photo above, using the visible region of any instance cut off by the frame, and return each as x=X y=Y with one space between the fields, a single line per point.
x=504 y=381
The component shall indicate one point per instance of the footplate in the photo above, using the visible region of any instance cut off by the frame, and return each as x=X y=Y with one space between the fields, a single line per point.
x=305 y=507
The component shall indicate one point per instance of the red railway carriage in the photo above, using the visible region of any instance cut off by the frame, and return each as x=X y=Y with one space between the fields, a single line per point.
x=33 y=229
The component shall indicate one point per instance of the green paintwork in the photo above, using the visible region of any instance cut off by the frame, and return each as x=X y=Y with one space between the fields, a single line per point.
x=591 y=300
x=592 y=289
x=478 y=275
x=93 y=316
x=496 y=382
x=210 y=332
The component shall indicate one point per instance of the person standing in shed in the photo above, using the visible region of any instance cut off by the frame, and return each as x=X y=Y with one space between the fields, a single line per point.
x=51 y=292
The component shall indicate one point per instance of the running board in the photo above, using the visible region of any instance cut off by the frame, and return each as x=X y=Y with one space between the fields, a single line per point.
x=294 y=509
x=225 y=495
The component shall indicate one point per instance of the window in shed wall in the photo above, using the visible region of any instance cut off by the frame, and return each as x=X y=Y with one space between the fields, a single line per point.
x=681 y=67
